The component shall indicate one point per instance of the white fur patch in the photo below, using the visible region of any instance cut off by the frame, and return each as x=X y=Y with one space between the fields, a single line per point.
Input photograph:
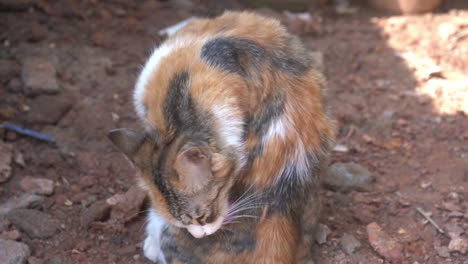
x=152 y=244
x=230 y=128
x=298 y=163
x=151 y=66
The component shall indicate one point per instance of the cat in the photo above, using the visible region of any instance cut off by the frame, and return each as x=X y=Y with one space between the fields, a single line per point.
x=237 y=133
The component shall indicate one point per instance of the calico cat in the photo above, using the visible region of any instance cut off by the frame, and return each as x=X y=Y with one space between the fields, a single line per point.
x=237 y=133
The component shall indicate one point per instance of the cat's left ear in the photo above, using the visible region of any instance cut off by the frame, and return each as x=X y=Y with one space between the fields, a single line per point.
x=126 y=140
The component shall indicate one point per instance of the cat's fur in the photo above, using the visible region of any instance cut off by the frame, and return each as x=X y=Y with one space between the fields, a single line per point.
x=237 y=133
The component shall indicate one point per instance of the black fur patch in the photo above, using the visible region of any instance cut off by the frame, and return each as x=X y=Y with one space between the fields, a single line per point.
x=235 y=55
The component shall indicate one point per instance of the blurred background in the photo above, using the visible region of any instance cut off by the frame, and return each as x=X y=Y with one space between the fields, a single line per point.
x=397 y=82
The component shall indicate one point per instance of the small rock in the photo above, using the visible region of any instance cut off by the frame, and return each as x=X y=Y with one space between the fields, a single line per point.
x=349 y=243
x=102 y=40
x=34 y=223
x=128 y=205
x=6 y=156
x=450 y=206
x=8 y=69
x=19 y=159
x=82 y=246
x=38 y=76
x=47 y=109
x=454 y=230
x=442 y=251
x=346 y=176
x=87 y=181
x=25 y=200
x=11 y=235
x=458 y=244
x=37 y=185
x=98 y=211
x=322 y=233
x=13 y=252
x=16 y=5
x=383 y=244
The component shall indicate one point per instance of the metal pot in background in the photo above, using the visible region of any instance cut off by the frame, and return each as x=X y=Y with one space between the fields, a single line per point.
x=406 y=6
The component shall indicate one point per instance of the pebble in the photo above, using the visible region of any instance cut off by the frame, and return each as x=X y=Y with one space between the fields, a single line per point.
x=347 y=176
x=98 y=211
x=383 y=244
x=322 y=233
x=11 y=235
x=349 y=243
x=102 y=40
x=37 y=185
x=82 y=245
x=87 y=181
x=13 y=252
x=458 y=244
x=127 y=206
x=25 y=200
x=39 y=76
x=48 y=109
x=6 y=156
x=34 y=223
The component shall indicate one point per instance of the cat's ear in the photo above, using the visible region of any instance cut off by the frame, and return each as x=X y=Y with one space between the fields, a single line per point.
x=126 y=140
x=194 y=165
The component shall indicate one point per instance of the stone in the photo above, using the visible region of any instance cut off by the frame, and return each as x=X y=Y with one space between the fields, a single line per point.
x=454 y=230
x=25 y=200
x=37 y=185
x=39 y=76
x=47 y=109
x=87 y=181
x=6 y=157
x=383 y=244
x=34 y=223
x=12 y=252
x=8 y=70
x=11 y=235
x=127 y=206
x=458 y=244
x=322 y=233
x=98 y=211
x=102 y=40
x=349 y=244
x=347 y=176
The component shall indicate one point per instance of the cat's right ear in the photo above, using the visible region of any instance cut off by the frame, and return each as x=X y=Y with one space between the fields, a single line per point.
x=128 y=141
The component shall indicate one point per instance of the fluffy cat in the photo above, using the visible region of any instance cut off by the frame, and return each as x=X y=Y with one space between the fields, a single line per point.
x=237 y=133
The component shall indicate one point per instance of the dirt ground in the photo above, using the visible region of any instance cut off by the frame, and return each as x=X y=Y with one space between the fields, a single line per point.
x=398 y=86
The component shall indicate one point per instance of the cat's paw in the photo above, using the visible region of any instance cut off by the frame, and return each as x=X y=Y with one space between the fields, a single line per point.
x=152 y=250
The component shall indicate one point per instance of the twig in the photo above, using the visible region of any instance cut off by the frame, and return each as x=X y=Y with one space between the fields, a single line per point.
x=28 y=132
x=437 y=227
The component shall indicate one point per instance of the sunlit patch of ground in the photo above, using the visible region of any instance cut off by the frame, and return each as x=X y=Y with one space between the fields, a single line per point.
x=438 y=57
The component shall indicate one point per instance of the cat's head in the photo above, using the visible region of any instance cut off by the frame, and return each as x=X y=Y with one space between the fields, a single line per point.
x=186 y=180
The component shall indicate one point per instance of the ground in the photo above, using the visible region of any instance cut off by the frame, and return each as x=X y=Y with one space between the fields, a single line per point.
x=398 y=86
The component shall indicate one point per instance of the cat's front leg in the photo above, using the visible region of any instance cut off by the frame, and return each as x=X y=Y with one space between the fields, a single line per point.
x=152 y=244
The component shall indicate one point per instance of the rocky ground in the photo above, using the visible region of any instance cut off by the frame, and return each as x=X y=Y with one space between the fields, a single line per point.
x=397 y=189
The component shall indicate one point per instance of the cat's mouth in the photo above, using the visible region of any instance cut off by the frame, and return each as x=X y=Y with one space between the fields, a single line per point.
x=199 y=231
